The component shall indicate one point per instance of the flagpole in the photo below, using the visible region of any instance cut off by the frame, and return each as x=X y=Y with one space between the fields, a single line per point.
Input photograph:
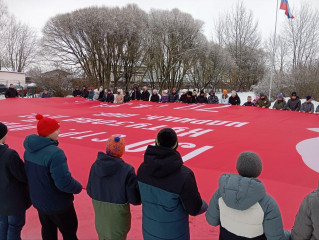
x=272 y=73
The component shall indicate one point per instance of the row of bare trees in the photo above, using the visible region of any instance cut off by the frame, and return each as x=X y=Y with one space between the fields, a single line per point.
x=167 y=49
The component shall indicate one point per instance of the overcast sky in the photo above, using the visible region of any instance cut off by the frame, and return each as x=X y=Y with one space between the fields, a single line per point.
x=36 y=12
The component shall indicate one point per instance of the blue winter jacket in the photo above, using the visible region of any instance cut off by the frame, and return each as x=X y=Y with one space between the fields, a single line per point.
x=51 y=184
x=244 y=211
x=169 y=195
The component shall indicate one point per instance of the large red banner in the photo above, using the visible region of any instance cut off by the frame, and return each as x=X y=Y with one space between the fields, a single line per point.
x=210 y=139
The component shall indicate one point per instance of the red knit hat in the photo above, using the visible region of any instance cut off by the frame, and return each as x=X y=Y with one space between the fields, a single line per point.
x=46 y=126
x=115 y=146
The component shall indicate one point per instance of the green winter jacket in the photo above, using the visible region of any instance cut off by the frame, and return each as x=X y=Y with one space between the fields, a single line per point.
x=263 y=102
x=115 y=227
x=280 y=105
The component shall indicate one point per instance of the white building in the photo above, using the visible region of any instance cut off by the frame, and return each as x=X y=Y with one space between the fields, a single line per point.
x=16 y=78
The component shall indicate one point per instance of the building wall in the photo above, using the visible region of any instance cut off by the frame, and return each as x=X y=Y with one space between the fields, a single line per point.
x=15 y=78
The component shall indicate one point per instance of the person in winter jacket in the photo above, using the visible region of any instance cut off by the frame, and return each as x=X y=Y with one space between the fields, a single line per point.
x=190 y=98
x=263 y=101
x=155 y=97
x=242 y=207
x=212 y=99
x=113 y=187
x=249 y=102
x=14 y=192
x=306 y=225
x=127 y=97
x=201 y=98
x=307 y=106
x=119 y=96
x=145 y=95
x=294 y=103
x=109 y=96
x=101 y=95
x=136 y=95
x=50 y=181
x=11 y=92
x=168 y=190
x=91 y=93
x=317 y=110
x=164 y=98
x=173 y=96
x=77 y=92
x=85 y=92
x=45 y=94
x=280 y=104
x=224 y=98
x=183 y=98
x=234 y=99
x=96 y=94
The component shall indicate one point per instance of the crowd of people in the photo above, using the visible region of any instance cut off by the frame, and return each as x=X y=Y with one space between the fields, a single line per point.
x=262 y=101
x=165 y=187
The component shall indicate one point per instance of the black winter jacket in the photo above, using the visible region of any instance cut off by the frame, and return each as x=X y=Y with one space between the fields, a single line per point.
x=11 y=93
x=294 y=105
x=109 y=98
x=234 y=100
x=155 y=98
x=127 y=98
x=145 y=96
x=249 y=104
x=173 y=97
x=77 y=93
x=201 y=99
x=183 y=98
x=112 y=180
x=14 y=191
x=136 y=95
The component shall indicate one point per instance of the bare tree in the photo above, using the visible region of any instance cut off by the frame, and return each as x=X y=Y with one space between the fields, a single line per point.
x=3 y=24
x=20 y=43
x=237 y=32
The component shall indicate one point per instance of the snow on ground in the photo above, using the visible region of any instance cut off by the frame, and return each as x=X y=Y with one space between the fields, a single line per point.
x=2 y=97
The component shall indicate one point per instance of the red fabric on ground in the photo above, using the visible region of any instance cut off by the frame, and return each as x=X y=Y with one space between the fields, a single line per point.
x=208 y=148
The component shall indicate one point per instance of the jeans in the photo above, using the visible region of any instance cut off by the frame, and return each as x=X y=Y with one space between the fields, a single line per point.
x=11 y=226
x=66 y=221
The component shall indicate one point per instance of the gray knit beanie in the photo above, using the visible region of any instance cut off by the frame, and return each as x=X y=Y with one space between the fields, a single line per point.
x=249 y=165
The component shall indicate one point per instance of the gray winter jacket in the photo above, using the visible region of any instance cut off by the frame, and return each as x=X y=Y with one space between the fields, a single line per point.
x=307 y=107
x=213 y=99
x=243 y=210
x=307 y=220
x=294 y=104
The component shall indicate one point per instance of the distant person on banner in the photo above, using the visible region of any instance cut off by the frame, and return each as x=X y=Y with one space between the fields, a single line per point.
x=263 y=101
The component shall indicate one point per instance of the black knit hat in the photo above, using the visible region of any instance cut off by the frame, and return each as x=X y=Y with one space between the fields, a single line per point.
x=293 y=94
x=249 y=165
x=167 y=137
x=3 y=130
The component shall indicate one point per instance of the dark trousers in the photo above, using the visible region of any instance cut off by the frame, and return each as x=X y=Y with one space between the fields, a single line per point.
x=66 y=221
x=11 y=226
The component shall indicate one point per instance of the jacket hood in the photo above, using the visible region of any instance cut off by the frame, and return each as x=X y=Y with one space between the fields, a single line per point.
x=106 y=165
x=240 y=192
x=34 y=143
x=162 y=161
x=3 y=148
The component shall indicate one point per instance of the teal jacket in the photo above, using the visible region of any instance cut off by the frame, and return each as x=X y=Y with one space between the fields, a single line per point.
x=50 y=181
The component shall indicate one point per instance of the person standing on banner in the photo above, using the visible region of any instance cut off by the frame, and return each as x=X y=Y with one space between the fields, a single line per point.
x=241 y=206
x=164 y=97
x=11 y=92
x=113 y=187
x=109 y=96
x=51 y=184
x=14 y=192
x=307 y=106
x=173 y=96
x=306 y=225
x=183 y=98
x=234 y=99
x=280 y=104
x=77 y=92
x=136 y=95
x=263 y=101
x=294 y=103
x=168 y=190
x=202 y=98
x=155 y=97
x=145 y=95
x=224 y=98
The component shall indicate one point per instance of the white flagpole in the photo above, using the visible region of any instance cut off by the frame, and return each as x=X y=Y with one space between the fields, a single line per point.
x=272 y=73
